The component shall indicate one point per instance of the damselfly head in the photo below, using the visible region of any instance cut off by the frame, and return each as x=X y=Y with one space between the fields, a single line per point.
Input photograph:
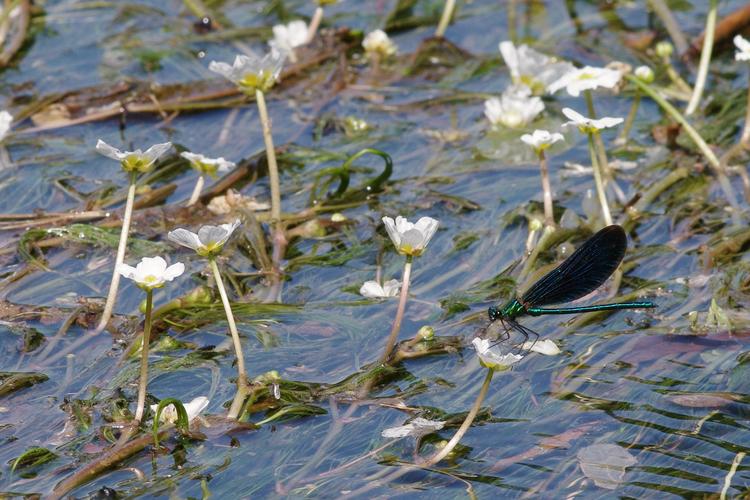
x=494 y=313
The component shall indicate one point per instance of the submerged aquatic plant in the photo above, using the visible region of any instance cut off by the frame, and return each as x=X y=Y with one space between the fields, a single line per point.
x=410 y=239
x=149 y=274
x=205 y=166
x=208 y=243
x=540 y=140
x=132 y=162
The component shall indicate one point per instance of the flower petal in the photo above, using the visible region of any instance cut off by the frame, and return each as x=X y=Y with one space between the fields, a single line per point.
x=109 y=151
x=427 y=226
x=185 y=238
x=157 y=150
x=173 y=271
x=127 y=271
x=372 y=290
x=390 y=227
x=391 y=288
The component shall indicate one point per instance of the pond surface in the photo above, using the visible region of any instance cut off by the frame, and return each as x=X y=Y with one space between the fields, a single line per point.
x=659 y=396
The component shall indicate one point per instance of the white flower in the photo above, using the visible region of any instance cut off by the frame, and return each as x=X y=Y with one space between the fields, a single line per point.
x=743 y=49
x=378 y=43
x=251 y=72
x=586 y=78
x=546 y=347
x=206 y=165
x=531 y=68
x=541 y=139
x=373 y=290
x=410 y=239
x=208 y=242
x=587 y=125
x=492 y=356
x=287 y=37
x=193 y=409
x=515 y=108
x=134 y=161
x=417 y=427
x=151 y=272
x=644 y=73
x=5 y=120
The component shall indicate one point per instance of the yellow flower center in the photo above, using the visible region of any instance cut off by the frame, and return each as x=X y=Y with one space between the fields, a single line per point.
x=262 y=81
x=135 y=163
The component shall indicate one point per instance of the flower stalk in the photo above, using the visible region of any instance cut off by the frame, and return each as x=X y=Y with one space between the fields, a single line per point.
x=312 y=29
x=120 y=257
x=143 y=380
x=549 y=217
x=399 y=312
x=196 y=190
x=234 y=410
x=599 y=181
x=445 y=19
x=273 y=170
x=708 y=45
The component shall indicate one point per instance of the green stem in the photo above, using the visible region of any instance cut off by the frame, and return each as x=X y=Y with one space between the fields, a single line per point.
x=109 y=305
x=399 y=312
x=143 y=380
x=708 y=154
x=599 y=182
x=708 y=45
x=239 y=398
x=445 y=19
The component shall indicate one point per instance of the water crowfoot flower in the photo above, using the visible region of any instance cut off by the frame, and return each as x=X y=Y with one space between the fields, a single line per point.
x=493 y=357
x=743 y=48
x=251 y=72
x=373 y=289
x=409 y=238
x=539 y=141
x=150 y=273
x=417 y=428
x=206 y=166
x=193 y=409
x=531 y=68
x=5 y=121
x=208 y=242
x=132 y=162
x=378 y=45
x=588 y=125
x=287 y=37
x=514 y=109
x=586 y=78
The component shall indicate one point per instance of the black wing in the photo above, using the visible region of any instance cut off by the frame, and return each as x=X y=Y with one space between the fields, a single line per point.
x=581 y=273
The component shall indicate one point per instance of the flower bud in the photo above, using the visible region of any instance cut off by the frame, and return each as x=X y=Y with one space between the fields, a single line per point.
x=645 y=74
x=664 y=49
